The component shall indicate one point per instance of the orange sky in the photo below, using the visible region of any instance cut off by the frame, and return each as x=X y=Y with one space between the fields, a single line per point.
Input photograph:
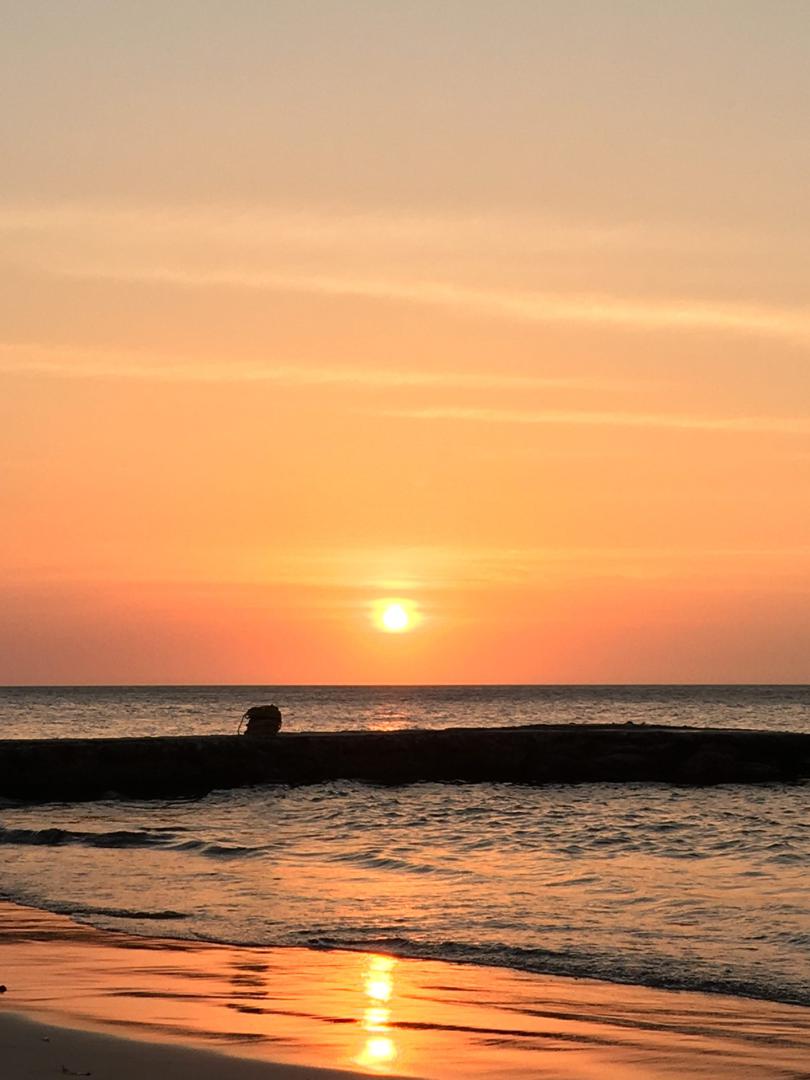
x=498 y=309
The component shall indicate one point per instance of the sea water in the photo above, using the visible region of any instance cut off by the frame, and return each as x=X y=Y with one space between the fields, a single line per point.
x=644 y=883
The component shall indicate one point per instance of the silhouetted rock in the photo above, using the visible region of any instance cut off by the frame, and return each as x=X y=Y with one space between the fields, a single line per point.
x=710 y=766
x=70 y=769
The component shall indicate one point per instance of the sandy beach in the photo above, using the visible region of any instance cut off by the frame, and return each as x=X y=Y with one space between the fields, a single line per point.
x=86 y=1002
x=38 y=1051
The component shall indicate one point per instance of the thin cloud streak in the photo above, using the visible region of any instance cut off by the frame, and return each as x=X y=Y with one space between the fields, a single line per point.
x=229 y=248
x=673 y=421
x=313 y=227
x=791 y=324
x=74 y=364
x=438 y=568
x=452 y=568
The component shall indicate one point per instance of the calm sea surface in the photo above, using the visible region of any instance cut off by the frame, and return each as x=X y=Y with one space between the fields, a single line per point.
x=704 y=889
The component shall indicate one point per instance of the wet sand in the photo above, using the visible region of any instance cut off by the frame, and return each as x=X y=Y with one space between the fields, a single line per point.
x=177 y=1008
x=30 y=1050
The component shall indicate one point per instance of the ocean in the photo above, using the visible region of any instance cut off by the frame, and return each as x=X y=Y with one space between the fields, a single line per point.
x=703 y=889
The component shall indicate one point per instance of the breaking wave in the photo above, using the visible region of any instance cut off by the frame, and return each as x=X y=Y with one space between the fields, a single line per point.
x=123 y=838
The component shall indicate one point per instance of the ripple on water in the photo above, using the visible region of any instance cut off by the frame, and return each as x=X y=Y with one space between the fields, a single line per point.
x=643 y=883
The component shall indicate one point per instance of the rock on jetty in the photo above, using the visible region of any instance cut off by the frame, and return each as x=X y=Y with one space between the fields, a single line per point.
x=46 y=770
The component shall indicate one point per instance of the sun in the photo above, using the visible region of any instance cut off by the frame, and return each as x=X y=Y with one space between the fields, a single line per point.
x=394 y=616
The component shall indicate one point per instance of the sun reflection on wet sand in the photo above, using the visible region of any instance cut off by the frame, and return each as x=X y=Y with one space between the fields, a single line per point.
x=379 y=1050
x=382 y=1016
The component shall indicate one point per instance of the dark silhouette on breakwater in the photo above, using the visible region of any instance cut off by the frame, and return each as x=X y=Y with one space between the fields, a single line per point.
x=73 y=769
x=262 y=720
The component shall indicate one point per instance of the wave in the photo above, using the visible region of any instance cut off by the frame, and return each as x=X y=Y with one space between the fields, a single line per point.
x=167 y=840
x=657 y=972
x=79 y=911
x=123 y=838
x=86 y=913
x=370 y=861
x=612 y=968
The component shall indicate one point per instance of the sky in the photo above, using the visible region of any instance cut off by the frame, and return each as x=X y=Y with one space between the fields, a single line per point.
x=498 y=311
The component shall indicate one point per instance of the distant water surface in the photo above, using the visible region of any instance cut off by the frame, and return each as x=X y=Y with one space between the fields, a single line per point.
x=62 y=712
x=690 y=888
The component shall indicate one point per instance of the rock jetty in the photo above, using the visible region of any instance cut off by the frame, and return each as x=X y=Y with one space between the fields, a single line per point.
x=47 y=770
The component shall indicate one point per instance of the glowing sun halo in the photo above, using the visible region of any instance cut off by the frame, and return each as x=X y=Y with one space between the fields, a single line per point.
x=394 y=616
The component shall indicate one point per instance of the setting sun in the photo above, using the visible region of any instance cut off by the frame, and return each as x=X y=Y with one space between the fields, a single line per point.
x=394 y=616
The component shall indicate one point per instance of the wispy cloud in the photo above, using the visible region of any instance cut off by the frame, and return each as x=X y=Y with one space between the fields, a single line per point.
x=457 y=263
x=676 y=421
x=67 y=363
x=422 y=570
x=311 y=227
x=786 y=323
x=429 y=567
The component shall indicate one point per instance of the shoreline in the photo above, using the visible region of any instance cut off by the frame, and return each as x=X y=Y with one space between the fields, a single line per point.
x=271 y=1009
x=40 y=1051
x=727 y=989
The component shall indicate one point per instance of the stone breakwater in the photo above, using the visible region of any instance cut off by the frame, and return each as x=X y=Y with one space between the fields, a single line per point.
x=47 y=770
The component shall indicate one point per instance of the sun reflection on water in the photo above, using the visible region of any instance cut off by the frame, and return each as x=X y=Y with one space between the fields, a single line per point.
x=379 y=1049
